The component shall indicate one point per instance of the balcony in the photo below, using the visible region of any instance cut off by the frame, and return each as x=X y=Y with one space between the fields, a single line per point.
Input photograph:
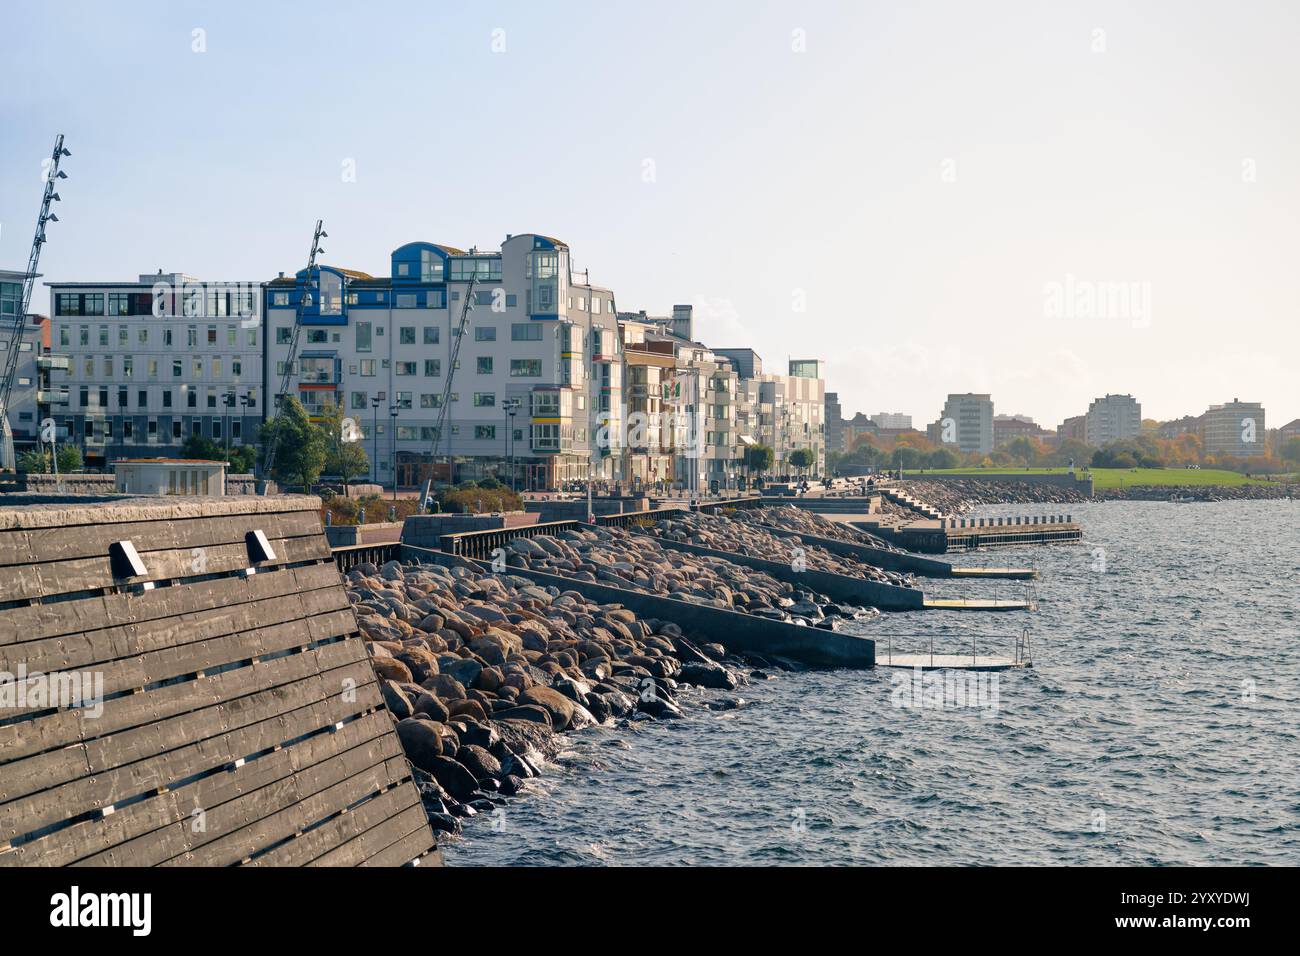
x=52 y=362
x=52 y=397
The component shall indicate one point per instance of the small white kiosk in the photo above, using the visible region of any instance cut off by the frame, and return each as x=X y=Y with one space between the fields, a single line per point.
x=170 y=476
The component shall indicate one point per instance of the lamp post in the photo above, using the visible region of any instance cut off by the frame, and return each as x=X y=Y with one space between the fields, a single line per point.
x=392 y=414
x=228 y=402
x=374 y=461
x=512 y=407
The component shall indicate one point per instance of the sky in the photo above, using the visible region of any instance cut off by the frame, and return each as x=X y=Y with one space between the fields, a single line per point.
x=1045 y=201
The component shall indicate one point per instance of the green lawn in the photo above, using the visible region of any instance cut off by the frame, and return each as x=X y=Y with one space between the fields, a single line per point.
x=1114 y=477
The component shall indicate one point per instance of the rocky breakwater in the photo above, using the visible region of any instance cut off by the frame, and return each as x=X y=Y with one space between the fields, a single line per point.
x=960 y=496
x=789 y=518
x=633 y=560
x=1270 y=491
x=747 y=537
x=481 y=672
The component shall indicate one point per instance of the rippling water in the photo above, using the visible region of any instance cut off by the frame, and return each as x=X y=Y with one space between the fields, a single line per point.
x=1158 y=726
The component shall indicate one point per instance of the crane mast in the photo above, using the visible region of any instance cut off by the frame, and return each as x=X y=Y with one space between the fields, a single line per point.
x=458 y=336
x=268 y=462
x=52 y=174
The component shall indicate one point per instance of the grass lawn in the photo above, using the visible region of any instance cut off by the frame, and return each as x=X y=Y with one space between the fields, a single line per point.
x=1115 y=477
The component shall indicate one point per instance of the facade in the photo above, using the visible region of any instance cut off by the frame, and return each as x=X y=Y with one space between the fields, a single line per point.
x=170 y=476
x=834 y=418
x=893 y=420
x=1075 y=428
x=31 y=400
x=1007 y=428
x=967 y=422
x=1288 y=431
x=382 y=348
x=784 y=412
x=1235 y=429
x=649 y=386
x=1187 y=425
x=152 y=362
x=857 y=428
x=1112 y=418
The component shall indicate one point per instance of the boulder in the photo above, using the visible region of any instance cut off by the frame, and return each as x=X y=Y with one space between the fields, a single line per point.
x=454 y=777
x=395 y=700
x=565 y=713
x=422 y=744
x=479 y=762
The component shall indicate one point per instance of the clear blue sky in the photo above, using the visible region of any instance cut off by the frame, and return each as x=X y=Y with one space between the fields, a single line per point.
x=918 y=175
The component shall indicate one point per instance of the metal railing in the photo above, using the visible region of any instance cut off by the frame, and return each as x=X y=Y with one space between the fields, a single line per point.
x=349 y=556
x=1022 y=650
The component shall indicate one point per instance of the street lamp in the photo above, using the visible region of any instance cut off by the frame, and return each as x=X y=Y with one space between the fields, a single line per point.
x=392 y=414
x=228 y=400
x=512 y=407
x=374 y=461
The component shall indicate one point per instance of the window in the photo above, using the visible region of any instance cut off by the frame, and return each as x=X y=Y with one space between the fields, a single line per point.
x=485 y=432
x=318 y=336
x=485 y=333
x=405 y=300
x=103 y=336
x=485 y=365
x=526 y=368
x=143 y=336
x=167 y=398
x=67 y=303
x=283 y=335
x=191 y=398
x=403 y=400
x=280 y=298
x=367 y=367
x=212 y=335
x=123 y=396
x=176 y=428
x=360 y=400
x=405 y=368
x=192 y=336
x=83 y=396
x=236 y=368
x=363 y=337
x=232 y=336
x=92 y=303
x=128 y=428
x=123 y=336
x=485 y=399
x=153 y=428
x=406 y=335
x=176 y=368
x=488 y=269
x=428 y=400
x=63 y=336
x=407 y=432
x=430 y=266
x=526 y=332
x=430 y=335
x=432 y=367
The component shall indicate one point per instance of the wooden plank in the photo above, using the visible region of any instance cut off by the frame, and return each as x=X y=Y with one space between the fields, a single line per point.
x=25 y=738
x=415 y=844
x=39 y=545
x=229 y=729
x=302 y=809
x=31 y=581
x=37 y=622
x=90 y=838
x=315 y=843
x=77 y=651
x=375 y=839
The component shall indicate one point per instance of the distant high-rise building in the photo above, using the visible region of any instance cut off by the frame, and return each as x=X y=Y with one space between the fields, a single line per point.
x=892 y=420
x=1235 y=429
x=967 y=423
x=834 y=423
x=1007 y=428
x=1112 y=418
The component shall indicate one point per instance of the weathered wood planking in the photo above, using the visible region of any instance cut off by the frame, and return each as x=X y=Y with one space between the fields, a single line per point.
x=245 y=703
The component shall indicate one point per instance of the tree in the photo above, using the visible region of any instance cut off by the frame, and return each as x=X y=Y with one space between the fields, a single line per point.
x=1023 y=449
x=35 y=462
x=344 y=454
x=942 y=458
x=300 y=445
x=1291 y=450
x=241 y=458
x=905 y=456
x=759 y=458
x=802 y=458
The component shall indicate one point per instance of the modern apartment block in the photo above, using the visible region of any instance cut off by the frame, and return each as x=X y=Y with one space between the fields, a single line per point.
x=967 y=422
x=784 y=412
x=1112 y=418
x=382 y=348
x=1235 y=429
x=150 y=363
x=31 y=398
x=892 y=420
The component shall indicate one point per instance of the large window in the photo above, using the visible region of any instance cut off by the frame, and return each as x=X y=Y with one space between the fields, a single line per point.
x=526 y=368
x=485 y=268
x=526 y=331
x=485 y=400
x=406 y=335
x=430 y=335
x=430 y=266
x=482 y=432
x=405 y=368
x=485 y=365
x=432 y=367
x=363 y=336
x=485 y=333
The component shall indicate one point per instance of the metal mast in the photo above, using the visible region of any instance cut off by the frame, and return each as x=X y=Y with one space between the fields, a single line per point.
x=458 y=336
x=52 y=174
x=268 y=462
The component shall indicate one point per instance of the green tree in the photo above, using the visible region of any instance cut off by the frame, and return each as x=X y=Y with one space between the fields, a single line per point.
x=202 y=447
x=1291 y=450
x=1023 y=450
x=344 y=454
x=942 y=458
x=759 y=458
x=300 y=445
x=802 y=458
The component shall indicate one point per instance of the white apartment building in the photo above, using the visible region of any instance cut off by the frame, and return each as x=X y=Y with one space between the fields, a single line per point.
x=894 y=420
x=150 y=363
x=1111 y=418
x=967 y=422
x=382 y=348
x=784 y=412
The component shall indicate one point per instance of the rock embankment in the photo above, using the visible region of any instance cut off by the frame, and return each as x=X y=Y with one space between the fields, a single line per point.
x=790 y=518
x=751 y=538
x=633 y=560
x=960 y=496
x=1270 y=491
x=480 y=672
